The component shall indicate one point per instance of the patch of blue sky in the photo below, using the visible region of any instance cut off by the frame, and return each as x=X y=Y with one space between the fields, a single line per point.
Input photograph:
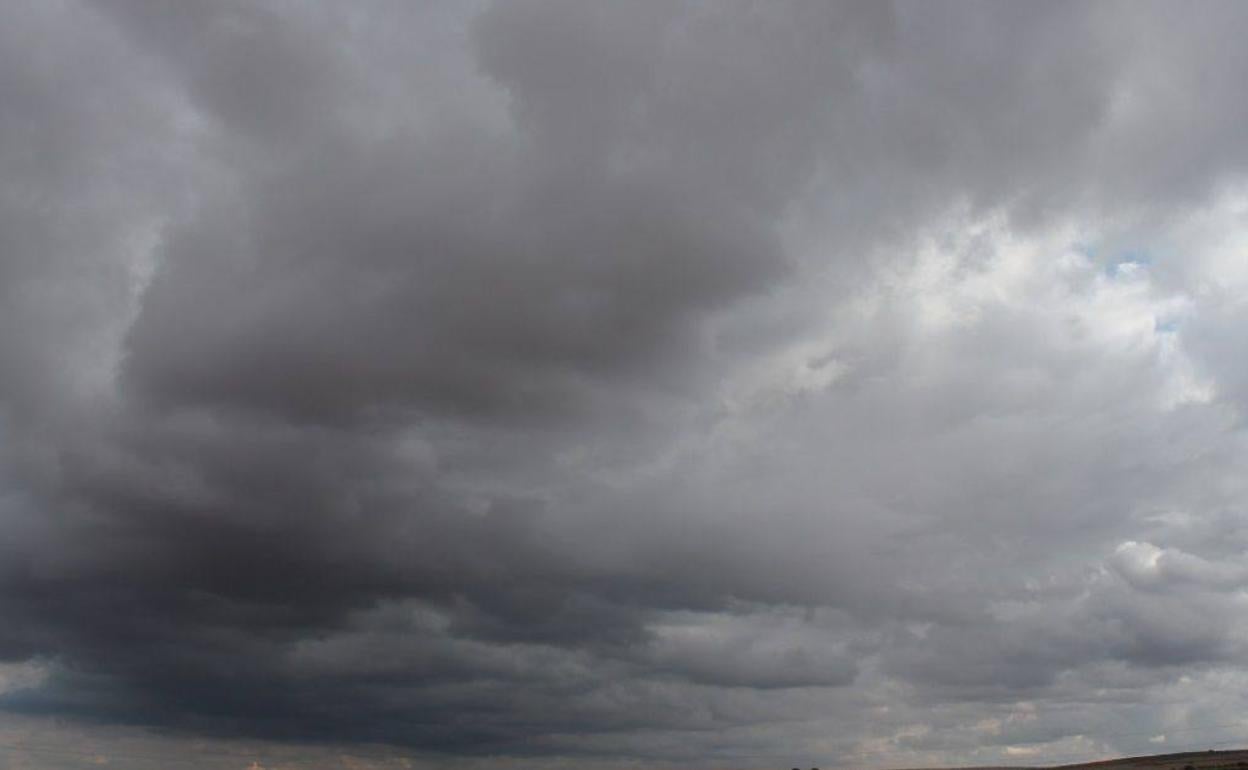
x=1127 y=261
x=1166 y=325
x=1115 y=262
x=1088 y=250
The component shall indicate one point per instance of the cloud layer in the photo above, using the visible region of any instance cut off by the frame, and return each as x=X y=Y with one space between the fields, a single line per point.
x=714 y=383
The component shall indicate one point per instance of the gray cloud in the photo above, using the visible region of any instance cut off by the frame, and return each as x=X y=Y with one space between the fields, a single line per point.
x=553 y=381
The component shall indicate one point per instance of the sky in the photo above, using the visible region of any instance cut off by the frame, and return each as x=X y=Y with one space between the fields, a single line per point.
x=576 y=384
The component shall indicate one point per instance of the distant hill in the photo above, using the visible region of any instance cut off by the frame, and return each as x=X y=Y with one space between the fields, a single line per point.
x=1199 y=760
x=1236 y=759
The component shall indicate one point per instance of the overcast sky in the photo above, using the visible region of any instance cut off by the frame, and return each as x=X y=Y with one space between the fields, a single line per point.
x=575 y=384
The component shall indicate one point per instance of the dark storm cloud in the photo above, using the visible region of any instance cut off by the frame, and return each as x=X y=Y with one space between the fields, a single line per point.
x=592 y=237
x=550 y=378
